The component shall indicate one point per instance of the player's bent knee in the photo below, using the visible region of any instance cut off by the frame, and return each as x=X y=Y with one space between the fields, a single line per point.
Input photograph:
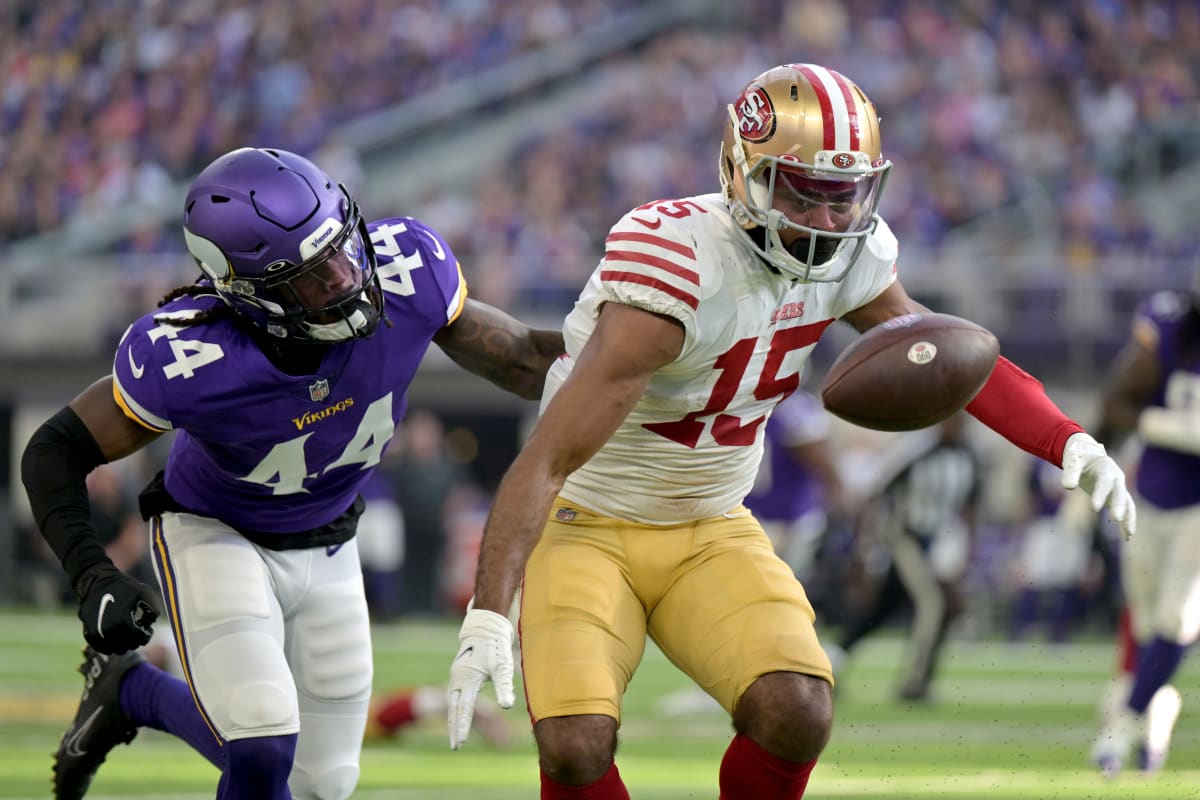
x=334 y=783
x=790 y=715
x=576 y=750
x=247 y=690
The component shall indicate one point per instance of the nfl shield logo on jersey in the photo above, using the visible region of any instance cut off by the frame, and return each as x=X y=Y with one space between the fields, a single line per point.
x=319 y=390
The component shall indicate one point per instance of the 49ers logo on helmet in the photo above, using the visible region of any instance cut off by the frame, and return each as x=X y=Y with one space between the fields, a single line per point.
x=756 y=115
x=843 y=161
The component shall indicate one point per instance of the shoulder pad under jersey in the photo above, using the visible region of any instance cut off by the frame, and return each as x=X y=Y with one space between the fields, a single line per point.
x=154 y=356
x=417 y=269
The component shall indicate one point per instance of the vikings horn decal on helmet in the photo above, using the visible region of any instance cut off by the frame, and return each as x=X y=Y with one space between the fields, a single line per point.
x=802 y=169
x=284 y=246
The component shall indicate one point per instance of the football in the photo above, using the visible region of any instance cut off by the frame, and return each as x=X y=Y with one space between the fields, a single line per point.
x=910 y=372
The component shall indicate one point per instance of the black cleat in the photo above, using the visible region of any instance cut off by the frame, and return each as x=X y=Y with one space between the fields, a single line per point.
x=99 y=726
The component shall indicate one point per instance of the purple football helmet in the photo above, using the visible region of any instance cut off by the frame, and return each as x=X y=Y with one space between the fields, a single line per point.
x=284 y=246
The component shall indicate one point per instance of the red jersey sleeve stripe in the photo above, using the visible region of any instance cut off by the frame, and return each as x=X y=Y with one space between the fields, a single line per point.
x=645 y=280
x=657 y=241
x=691 y=276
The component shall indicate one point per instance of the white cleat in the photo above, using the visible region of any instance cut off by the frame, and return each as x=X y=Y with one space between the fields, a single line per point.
x=1114 y=743
x=1161 y=715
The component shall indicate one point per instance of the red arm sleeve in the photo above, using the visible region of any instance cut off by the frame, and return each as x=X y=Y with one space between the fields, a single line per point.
x=1014 y=404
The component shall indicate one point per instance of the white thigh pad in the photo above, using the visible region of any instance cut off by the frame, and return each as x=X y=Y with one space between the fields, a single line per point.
x=332 y=659
x=1177 y=616
x=1161 y=574
x=224 y=581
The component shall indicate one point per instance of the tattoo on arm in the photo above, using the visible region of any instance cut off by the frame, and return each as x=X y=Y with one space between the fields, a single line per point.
x=493 y=345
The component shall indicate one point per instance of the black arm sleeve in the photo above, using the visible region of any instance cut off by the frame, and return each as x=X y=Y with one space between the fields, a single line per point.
x=54 y=468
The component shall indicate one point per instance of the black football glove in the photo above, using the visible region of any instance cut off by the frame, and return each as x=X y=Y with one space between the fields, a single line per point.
x=117 y=611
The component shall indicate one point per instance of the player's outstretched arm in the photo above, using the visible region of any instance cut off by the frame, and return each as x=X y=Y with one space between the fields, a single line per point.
x=117 y=611
x=627 y=346
x=496 y=346
x=1014 y=404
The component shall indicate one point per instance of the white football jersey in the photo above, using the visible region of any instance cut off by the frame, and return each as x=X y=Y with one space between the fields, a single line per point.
x=690 y=448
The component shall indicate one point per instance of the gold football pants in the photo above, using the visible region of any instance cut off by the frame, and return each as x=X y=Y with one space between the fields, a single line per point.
x=711 y=593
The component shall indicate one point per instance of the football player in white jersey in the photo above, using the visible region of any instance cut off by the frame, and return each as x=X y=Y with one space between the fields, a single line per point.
x=623 y=512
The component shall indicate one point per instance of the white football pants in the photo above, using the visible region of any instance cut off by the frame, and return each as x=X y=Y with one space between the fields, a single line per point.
x=272 y=643
x=1160 y=568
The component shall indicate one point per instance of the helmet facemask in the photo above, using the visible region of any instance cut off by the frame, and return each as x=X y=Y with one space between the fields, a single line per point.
x=333 y=294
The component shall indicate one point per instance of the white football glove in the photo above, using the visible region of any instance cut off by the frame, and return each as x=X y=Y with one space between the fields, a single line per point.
x=484 y=653
x=1087 y=466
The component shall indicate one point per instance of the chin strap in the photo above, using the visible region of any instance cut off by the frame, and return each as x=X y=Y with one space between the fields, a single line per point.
x=356 y=322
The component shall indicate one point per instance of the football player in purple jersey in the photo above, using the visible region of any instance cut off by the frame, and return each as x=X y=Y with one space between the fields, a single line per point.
x=1154 y=391
x=283 y=372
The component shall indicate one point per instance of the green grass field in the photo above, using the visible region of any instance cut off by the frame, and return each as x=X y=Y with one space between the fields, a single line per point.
x=1010 y=722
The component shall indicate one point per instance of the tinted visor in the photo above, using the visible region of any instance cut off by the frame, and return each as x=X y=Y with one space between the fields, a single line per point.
x=821 y=201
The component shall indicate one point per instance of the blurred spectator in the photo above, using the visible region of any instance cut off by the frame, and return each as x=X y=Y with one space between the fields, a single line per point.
x=425 y=482
x=119 y=526
x=1055 y=555
x=381 y=540
x=987 y=105
x=106 y=103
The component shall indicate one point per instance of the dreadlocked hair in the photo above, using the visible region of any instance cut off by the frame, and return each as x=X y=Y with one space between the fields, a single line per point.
x=213 y=314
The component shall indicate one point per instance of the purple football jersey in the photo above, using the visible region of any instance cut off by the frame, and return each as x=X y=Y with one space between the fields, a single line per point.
x=266 y=451
x=1171 y=478
x=785 y=489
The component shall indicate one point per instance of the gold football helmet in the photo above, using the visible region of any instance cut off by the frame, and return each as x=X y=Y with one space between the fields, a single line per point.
x=802 y=169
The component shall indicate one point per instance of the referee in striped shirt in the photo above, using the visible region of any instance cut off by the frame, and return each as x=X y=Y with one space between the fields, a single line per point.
x=924 y=513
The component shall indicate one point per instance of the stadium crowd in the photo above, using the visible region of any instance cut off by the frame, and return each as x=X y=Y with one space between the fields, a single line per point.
x=1056 y=110
x=986 y=105
x=1041 y=111
x=107 y=102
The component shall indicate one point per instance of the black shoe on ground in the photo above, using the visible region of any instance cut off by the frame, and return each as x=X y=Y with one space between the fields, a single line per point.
x=99 y=726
